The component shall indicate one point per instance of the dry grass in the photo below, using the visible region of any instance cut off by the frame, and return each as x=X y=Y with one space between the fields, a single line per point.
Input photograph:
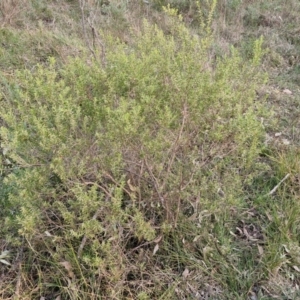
x=12 y=11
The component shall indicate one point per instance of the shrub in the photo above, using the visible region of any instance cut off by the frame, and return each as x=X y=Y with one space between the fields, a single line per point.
x=119 y=156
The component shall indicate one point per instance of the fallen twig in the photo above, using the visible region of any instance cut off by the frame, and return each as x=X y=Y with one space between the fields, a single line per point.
x=277 y=186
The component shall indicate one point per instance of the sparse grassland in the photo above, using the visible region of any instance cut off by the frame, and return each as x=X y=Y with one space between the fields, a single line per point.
x=150 y=150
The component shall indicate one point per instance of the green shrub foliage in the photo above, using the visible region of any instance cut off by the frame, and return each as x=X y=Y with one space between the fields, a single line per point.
x=113 y=156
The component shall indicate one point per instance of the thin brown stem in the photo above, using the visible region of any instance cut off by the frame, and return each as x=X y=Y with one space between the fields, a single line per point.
x=82 y=6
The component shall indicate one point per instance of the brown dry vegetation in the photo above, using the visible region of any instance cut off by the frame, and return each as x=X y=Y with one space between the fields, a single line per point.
x=172 y=204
